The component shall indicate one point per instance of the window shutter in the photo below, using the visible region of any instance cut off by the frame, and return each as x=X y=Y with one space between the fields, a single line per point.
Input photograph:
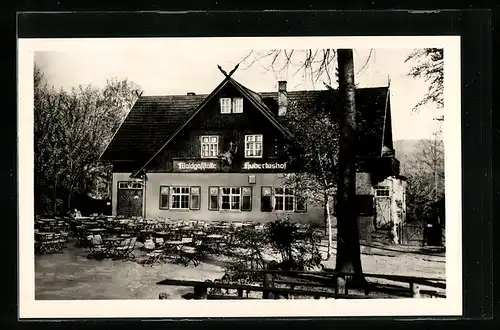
x=213 y=198
x=266 y=199
x=300 y=203
x=246 y=198
x=164 y=197
x=194 y=198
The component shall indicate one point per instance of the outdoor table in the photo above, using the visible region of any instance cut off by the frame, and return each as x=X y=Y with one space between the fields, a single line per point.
x=216 y=239
x=44 y=233
x=96 y=230
x=174 y=247
x=162 y=233
x=111 y=243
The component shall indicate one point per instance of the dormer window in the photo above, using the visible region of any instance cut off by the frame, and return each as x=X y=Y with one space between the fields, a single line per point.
x=231 y=105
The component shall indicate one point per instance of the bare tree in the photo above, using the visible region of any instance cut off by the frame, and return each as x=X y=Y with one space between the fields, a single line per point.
x=71 y=131
x=426 y=178
x=315 y=65
x=429 y=65
x=348 y=248
x=316 y=150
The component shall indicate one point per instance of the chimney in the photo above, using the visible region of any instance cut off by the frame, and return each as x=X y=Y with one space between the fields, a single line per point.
x=282 y=99
x=191 y=93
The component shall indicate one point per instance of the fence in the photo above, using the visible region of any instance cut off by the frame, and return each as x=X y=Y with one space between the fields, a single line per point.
x=420 y=234
x=331 y=279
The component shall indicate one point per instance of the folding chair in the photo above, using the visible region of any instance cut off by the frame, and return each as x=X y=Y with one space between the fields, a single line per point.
x=57 y=243
x=96 y=248
x=45 y=243
x=155 y=256
x=125 y=250
x=191 y=254
x=159 y=242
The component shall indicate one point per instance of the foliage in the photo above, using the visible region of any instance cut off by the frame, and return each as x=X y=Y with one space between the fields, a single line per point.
x=315 y=149
x=429 y=65
x=298 y=249
x=71 y=130
x=426 y=178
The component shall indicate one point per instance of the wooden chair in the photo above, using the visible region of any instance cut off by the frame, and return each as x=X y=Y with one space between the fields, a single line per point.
x=126 y=248
x=193 y=254
x=96 y=248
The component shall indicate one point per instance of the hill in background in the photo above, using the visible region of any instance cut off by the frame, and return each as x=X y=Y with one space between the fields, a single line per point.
x=405 y=151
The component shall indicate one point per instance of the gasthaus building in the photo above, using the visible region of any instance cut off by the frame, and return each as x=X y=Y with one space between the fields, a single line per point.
x=218 y=157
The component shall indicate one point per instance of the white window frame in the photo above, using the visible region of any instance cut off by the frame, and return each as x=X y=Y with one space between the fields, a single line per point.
x=385 y=189
x=225 y=105
x=209 y=145
x=179 y=194
x=231 y=195
x=237 y=106
x=253 y=149
x=284 y=195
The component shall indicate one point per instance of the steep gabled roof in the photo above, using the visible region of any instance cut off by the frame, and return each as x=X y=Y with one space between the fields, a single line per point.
x=155 y=120
x=253 y=97
x=150 y=122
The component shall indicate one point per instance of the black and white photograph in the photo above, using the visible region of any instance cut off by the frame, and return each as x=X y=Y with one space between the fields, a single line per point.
x=292 y=176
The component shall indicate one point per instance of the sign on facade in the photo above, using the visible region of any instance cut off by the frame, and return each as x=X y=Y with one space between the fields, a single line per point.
x=255 y=166
x=215 y=166
x=195 y=166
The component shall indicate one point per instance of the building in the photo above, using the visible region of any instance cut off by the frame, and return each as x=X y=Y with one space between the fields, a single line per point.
x=218 y=156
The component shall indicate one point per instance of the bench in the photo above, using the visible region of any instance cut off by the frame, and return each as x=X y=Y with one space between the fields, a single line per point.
x=200 y=290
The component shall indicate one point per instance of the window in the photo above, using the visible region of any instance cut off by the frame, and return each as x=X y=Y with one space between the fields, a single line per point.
x=225 y=105
x=238 y=105
x=230 y=198
x=246 y=198
x=164 y=197
x=382 y=191
x=213 y=204
x=228 y=105
x=265 y=199
x=253 y=146
x=209 y=146
x=284 y=199
x=194 y=202
x=130 y=185
x=180 y=198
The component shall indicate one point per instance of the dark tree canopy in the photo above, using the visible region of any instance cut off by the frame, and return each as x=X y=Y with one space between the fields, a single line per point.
x=428 y=64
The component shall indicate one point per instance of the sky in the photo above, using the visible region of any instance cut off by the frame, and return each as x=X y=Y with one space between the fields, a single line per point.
x=178 y=70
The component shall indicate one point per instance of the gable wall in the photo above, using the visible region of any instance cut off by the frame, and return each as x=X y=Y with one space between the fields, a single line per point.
x=229 y=127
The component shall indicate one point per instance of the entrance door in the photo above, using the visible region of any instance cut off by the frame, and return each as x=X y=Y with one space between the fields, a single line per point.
x=383 y=212
x=130 y=196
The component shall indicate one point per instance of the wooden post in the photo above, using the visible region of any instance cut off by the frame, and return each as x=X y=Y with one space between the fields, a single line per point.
x=240 y=293
x=267 y=283
x=200 y=292
x=415 y=290
x=341 y=285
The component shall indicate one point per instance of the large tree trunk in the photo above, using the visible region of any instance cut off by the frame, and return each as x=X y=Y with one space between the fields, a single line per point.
x=348 y=248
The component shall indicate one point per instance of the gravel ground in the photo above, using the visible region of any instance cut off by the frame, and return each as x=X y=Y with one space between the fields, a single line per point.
x=71 y=275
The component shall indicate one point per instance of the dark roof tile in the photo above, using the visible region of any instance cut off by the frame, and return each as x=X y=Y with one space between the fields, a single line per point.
x=153 y=119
